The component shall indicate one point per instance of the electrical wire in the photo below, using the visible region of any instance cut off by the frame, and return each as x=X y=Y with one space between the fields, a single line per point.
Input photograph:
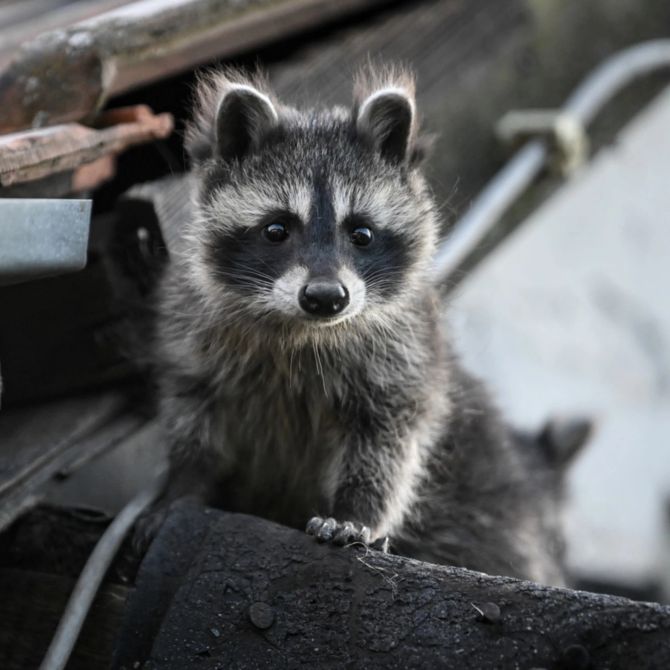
x=91 y=577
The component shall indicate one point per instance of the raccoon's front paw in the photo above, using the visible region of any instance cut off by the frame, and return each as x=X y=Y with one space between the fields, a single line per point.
x=337 y=532
x=344 y=532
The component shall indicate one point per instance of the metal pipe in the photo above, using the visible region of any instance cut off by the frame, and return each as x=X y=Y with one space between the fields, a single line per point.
x=504 y=189
x=91 y=577
x=614 y=74
x=498 y=196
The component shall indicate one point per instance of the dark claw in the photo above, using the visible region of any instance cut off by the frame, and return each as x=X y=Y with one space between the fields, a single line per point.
x=313 y=525
x=345 y=533
x=363 y=535
x=322 y=529
x=327 y=530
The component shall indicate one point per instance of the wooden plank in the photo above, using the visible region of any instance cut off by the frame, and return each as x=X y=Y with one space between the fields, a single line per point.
x=77 y=181
x=31 y=436
x=272 y=22
x=67 y=74
x=39 y=443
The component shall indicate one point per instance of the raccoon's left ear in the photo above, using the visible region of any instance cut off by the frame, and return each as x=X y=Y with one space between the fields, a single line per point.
x=387 y=118
x=244 y=117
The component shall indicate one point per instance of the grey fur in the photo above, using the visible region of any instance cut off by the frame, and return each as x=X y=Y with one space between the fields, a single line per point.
x=367 y=418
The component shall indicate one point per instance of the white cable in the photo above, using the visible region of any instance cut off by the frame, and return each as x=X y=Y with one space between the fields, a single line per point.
x=91 y=577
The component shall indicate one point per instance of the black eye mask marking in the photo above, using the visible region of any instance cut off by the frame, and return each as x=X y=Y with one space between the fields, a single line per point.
x=383 y=263
x=380 y=256
x=247 y=260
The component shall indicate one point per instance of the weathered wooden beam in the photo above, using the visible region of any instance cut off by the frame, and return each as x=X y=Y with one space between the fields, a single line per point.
x=34 y=154
x=224 y=590
x=67 y=74
x=23 y=20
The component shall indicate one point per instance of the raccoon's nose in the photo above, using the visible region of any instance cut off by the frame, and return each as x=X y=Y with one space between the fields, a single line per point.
x=324 y=298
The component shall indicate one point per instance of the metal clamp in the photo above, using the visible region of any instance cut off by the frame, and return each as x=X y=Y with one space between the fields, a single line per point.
x=563 y=130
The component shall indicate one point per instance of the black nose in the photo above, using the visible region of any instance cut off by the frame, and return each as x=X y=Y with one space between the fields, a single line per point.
x=323 y=297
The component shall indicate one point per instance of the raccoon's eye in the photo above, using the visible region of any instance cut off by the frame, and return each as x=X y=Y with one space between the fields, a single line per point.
x=361 y=236
x=277 y=225
x=275 y=232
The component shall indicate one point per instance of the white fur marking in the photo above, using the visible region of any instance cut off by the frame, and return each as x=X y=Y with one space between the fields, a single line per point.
x=286 y=289
x=403 y=493
x=299 y=201
x=381 y=203
x=356 y=287
x=249 y=89
x=239 y=207
x=395 y=91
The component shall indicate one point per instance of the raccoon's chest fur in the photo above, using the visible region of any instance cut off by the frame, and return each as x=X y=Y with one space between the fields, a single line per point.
x=281 y=436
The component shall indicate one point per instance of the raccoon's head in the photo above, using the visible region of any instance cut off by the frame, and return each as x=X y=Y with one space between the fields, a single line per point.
x=310 y=219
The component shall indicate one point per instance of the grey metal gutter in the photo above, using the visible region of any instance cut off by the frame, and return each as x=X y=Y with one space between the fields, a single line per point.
x=39 y=238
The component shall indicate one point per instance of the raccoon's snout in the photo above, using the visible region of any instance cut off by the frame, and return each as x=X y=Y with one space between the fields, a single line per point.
x=322 y=297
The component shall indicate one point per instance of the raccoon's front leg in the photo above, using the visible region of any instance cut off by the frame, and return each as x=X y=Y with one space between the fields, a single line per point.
x=376 y=484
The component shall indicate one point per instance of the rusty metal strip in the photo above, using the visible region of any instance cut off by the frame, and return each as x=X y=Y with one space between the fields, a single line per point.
x=33 y=154
x=67 y=75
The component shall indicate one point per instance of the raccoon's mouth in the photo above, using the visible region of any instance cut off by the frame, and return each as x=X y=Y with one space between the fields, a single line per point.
x=326 y=321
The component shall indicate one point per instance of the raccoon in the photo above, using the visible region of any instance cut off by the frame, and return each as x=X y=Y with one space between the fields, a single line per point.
x=304 y=367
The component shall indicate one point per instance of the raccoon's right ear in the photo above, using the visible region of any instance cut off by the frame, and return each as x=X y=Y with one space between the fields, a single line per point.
x=562 y=438
x=244 y=117
x=386 y=118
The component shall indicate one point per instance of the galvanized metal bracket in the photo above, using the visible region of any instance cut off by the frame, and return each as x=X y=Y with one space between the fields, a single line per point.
x=564 y=132
x=39 y=238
